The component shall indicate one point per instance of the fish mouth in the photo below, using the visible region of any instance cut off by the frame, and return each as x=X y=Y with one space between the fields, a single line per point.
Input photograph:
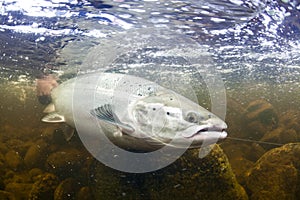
x=199 y=135
x=205 y=132
x=217 y=133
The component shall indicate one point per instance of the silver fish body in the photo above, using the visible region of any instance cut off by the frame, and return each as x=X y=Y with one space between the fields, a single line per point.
x=133 y=113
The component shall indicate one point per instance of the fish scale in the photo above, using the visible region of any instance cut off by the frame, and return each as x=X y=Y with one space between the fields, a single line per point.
x=133 y=112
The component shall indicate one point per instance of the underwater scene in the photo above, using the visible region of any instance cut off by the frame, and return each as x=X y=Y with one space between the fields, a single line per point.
x=150 y=99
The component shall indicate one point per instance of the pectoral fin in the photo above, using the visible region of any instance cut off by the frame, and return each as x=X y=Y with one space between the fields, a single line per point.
x=50 y=108
x=53 y=118
x=105 y=113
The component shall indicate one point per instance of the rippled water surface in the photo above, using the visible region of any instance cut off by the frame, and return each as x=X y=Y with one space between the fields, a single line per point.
x=252 y=47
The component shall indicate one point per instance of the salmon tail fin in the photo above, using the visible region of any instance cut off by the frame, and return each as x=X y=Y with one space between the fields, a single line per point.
x=53 y=118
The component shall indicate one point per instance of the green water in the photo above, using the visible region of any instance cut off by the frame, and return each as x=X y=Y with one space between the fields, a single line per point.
x=34 y=156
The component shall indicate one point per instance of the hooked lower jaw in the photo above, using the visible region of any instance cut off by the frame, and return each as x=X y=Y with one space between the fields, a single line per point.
x=209 y=132
x=198 y=136
x=207 y=137
x=202 y=138
x=222 y=132
x=218 y=131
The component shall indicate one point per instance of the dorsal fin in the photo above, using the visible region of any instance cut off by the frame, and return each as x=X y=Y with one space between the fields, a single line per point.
x=105 y=113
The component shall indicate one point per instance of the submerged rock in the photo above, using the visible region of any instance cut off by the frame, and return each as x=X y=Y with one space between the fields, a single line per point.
x=67 y=189
x=291 y=120
x=2 y=164
x=261 y=110
x=261 y=117
x=84 y=194
x=13 y=160
x=288 y=130
x=35 y=173
x=276 y=174
x=3 y=148
x=17 y=177
x=35 y=154
x=20 y=190
x=18 y=146
x=280 y=135
x=65 y=162
x=242 y=157
x=2 y=185
x=7 y=195
x=188 y=178
x=44 y=187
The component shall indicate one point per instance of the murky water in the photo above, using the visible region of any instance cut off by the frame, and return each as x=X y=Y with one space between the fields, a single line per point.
x=252 y=47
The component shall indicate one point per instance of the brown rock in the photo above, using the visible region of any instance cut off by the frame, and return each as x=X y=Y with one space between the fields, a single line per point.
x=44 y=187
x=6 y=195
x=20 y=190
x=67 y=189
x=275 y=174
x=65 y=162
x=35 y=155
x=290 y=120
x=189 y=177
x=280 y=135
x=2 y=185
x=35 y=174
x=259 y=118
x=2 y=161
x=3 y=148
x=13 y=160
x=84 y=194
x=18 y=146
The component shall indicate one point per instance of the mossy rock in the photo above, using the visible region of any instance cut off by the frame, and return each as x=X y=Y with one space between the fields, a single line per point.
x=7 y=195
x=13 y=160
x=276 y=174
x=290 y=120
x=280 y=135
x=84 y=194
x=20 y=190
x=44 y=187
x=259 y=117
x=188 y=178
x=263 y=111
x=3 y=148
x=65 y=162
x=35 y=154
x=35 y=174
x=67 y=189
x=2 y=185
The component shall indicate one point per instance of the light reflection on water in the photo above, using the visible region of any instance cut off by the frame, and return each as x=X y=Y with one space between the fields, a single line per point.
x=249 y=39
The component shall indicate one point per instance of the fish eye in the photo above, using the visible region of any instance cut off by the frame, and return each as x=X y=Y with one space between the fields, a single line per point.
x=192 y=117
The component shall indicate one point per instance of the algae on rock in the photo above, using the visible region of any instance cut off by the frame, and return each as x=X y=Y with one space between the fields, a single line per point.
x=276 y=174
x=188 y=178
x=44 y=187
